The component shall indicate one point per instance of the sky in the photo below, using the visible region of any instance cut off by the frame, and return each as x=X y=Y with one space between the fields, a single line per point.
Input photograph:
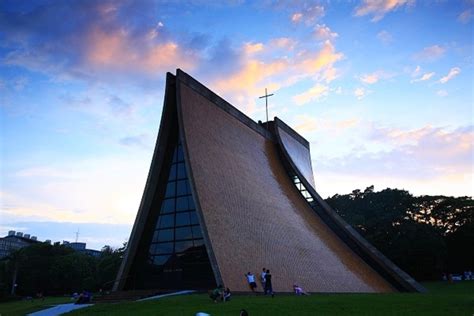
x=382 y=90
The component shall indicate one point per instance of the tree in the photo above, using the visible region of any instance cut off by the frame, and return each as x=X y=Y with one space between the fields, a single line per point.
x=423 y=235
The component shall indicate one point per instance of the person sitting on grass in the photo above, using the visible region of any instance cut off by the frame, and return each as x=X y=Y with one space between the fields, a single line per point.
x=298 y=290
x=216 y=293
x=226 y=295
x=84 y=298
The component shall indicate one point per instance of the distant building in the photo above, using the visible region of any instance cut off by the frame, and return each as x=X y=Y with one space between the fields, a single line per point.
x=81 y=247
x=16 y=240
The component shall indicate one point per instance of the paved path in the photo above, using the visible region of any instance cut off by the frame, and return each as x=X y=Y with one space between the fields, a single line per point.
x=59 y=309
x=165 y=295
x=65 y=308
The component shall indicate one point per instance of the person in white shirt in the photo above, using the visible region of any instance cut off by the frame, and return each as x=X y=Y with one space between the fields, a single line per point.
x=262 y=277
x=251 y=280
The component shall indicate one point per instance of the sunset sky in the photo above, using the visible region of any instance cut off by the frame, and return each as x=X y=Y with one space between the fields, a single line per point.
x=383 y=90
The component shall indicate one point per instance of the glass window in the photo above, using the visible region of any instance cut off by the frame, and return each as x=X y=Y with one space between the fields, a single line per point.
x=163 y=248
x=172 y=173
x=155 y=236
x=167 y=206
x=160 y=260
x=175 y=154
x=181 y=171
x=181 y=246
x=182 y=219
x=197 y=232
x=191 y=202
x=182 y=187
x=166 y=221
x=180 y=153
x=182 y=203
x=194 y=218
x=170 y=189
x=166 y=235
x=183 y=233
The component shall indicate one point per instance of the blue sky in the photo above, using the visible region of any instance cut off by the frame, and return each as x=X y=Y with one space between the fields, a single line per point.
x=383 y=90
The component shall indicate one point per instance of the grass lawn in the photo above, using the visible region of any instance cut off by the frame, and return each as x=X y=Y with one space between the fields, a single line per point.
x=25 y=307
x=442 y=299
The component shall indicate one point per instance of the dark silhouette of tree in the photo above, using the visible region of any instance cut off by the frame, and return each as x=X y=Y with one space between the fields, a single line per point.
x=423 y=235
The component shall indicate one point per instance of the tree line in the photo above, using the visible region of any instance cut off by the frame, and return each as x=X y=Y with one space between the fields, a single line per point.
x=425 y=236
x=57 y=270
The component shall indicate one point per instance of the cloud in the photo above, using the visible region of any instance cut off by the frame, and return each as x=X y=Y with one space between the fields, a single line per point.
x=283 y=43
x=360 y=93
x=426 y=76
x=307 y=123
x=141 y=140
x=416 y=72
x=98 y=190
x=385 y=37
x=378 y=8
x=370 y=78
x=375 y=77
x=322 y=32
x=442 y=93
x=308 y=14
x=315 y=93
x=101 y=41
x=465 y=16
x=437 y=145
x=296 y=17
x=250 y=48
x=327 y=56
x=427 y=160
x=117 y=51
x=452 y=73
x=430 y=53
x=273 y=70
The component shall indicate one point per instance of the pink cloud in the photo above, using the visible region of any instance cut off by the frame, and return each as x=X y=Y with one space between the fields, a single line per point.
x=360 y=93
x=452 y=73
x=271 y=71
x=251 y=48
x=308 y=14
x=432 y=143
x=465 y=16
x=315 y=93
x=378 y=8
x=283 y=43
x=116 y=50
x=370 y=78
x=430 y=53
x=296 y=17
x=426 y=76
x=375 y=77
x=323 y=32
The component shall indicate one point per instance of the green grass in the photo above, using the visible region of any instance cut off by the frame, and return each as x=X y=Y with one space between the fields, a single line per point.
x=442 y=299
x=24 y=307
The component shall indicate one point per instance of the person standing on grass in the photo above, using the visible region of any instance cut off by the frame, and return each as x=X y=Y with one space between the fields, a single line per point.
x=251 y=280
x=268 y=284
x=262 y=278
